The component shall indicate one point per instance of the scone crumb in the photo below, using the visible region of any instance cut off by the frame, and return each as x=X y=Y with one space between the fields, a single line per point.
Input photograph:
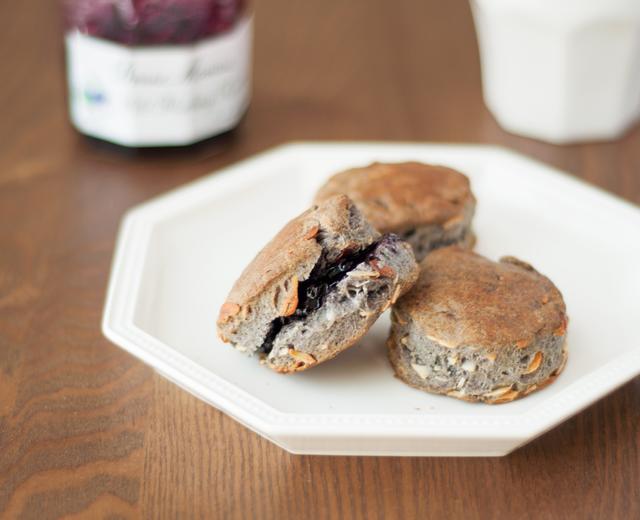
x=498 y=392
x=522 y=343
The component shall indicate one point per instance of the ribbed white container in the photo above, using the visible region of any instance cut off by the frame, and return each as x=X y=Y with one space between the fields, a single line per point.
x=561 y=70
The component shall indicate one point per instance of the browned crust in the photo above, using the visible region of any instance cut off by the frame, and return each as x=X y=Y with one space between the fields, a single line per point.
x=395 y=197
x=464 y=298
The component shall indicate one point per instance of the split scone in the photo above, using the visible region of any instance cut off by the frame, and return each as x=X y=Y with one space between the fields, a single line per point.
x=428 y=206
x=316 y=288
x=478 y=330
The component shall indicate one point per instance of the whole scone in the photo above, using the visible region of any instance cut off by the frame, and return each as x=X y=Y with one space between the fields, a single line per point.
x=428 y=206
x=478 y=330
x=316 y=288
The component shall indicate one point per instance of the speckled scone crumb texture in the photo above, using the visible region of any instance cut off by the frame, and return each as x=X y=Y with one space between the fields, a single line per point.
x=316 y=288
x=478 y=330
x=429 y=206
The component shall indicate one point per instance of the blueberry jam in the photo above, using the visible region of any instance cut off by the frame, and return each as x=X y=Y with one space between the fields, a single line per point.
x=152 y=22
x=324 y=277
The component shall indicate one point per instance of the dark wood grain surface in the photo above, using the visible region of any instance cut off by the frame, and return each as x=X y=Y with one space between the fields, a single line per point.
x=88 y=431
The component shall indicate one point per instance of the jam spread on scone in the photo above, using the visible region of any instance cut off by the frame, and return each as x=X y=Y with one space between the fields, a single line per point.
x=325 y=276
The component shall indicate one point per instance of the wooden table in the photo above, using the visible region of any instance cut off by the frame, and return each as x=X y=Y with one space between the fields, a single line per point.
x=88 y=431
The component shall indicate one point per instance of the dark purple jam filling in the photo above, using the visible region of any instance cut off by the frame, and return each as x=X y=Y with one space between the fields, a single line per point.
x=152 y=22
x=324 y=277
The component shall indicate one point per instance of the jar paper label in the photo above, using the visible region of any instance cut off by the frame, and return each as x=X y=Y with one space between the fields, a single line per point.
x=160 y=95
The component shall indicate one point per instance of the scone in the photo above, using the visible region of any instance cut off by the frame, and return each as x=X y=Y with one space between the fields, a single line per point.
x=428 y=206
x=316 y=288
x=478 y=330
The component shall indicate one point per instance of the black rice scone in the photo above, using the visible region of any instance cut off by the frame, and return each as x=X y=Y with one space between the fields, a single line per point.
x=316 y=288
x=428 y=206
x=478 y=330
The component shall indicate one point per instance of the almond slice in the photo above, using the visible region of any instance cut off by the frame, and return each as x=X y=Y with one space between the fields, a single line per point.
x=291 y=303
x=535 y=363
x=228 y=310
x=505 y=398
x=303 y=357
x=312 y=232
x=498 y=392
x=422 y=370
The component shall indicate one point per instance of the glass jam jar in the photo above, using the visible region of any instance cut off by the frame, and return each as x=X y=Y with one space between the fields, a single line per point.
x=146 y=73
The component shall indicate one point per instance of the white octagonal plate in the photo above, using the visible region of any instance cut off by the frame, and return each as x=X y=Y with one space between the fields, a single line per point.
x=178 y=255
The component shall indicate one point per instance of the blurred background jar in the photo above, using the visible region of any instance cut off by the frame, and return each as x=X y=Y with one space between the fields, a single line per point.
x=146 y=73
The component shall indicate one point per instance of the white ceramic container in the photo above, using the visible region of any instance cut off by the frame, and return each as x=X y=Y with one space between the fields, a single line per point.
x=561 y=70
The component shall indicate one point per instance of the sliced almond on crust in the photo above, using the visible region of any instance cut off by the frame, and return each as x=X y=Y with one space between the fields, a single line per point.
x=291 y=301
x=228 y=310
x=303 y=357
x=498 y=392
x=312 y=232
x=505 y=398
x=535 y=363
